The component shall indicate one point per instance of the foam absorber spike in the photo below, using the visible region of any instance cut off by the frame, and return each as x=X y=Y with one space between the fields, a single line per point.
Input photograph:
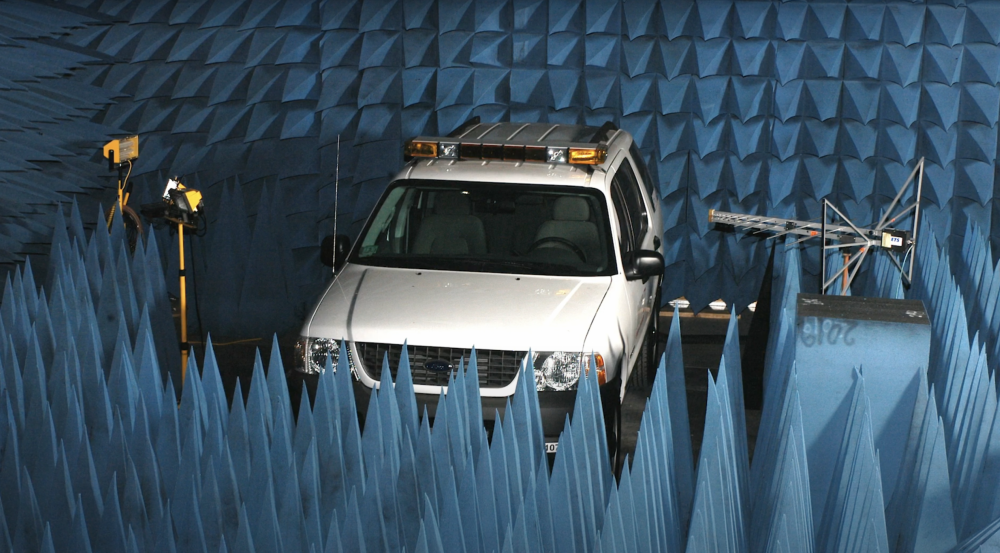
x=211 y=379
x=920 y=515
x=238 y=439
x=27 y=530
x=244 y=539
x=347 y=418
x=351 y=532
x=277 y=388
x=501 y=478
x=371 y=440
x=126 y=288
x=288 y=501
x=531 y=446
x=309 y=490
x=854 y=514
x=408 y=495
x=109 y=310
x=333 y=485
x=475 y=405
x=468 y=504
x=258 y=403
x=305 y=428
x=717 y=515
x=457 y=427
x=391 y=423
x=734 y=378
x=168 y=443
x=568 y=522
x=670 y=380
x=60 y=242
x=405 y=396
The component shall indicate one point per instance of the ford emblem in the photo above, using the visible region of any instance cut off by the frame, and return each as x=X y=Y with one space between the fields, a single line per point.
x=438 y=365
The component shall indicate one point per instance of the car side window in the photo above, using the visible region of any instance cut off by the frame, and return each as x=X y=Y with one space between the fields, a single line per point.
x=624 y=222
x=634 y=204
x=640 y=164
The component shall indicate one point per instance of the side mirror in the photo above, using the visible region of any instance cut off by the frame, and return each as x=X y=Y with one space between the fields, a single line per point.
x=333 y=251
x=644 y=264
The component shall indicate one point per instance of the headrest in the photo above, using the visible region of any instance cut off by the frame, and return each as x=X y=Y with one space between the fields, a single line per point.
x=451 y=203
x=571 y=208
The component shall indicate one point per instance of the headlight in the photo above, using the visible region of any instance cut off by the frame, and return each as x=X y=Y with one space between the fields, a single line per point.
x=560 y=370
x=310 y=354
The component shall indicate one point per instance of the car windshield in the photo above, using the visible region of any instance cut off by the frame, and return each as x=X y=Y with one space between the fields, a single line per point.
x=489 y=227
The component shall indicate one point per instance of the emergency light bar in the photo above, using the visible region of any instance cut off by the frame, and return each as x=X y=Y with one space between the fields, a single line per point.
x=443 y=148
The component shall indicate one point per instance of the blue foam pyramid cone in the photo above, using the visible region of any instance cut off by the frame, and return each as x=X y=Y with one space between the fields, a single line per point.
x=854 y=512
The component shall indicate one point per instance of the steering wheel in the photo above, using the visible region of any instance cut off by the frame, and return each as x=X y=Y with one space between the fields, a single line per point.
x=562 y=242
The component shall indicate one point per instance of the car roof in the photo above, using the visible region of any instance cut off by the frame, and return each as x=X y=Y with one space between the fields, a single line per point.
x=543 y=134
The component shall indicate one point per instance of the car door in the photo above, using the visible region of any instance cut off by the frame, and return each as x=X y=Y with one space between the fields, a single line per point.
x=633 y=226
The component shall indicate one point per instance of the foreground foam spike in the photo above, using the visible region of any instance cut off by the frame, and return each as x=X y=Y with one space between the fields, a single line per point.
x=244 y=539
x=192 y=413
x=109 y=310
x=238 y=440
x=160 y=313
x=130 y=304
x=854 y=512
x=309 y=490
x=27 y=535
x=521 y=414
x=489 y=529
x=594 y=468
x=569 y=522
x=716 y=516
x=734 y=377
x=371 y=440
x=352 y=535
x=920 y=515
x=288 y=500
x=475 y=405
x=305 y=428
x=60 y=242
x=211 y=510
x=405 y=396
x=186 y=513
x=44 y=332
x=80 y=536
x=14 y=385
x=277 y=387
x=211 y=379
x=150 y=377
x=672 y=371
x=453 y=535
x=168 y=443
x=790 y=503
x=258 y=403
x=133 y=503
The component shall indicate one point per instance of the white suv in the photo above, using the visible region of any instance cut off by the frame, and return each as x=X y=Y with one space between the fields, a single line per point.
x=508 y=237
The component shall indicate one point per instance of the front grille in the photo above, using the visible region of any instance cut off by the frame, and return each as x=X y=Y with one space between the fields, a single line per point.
x=497 y=368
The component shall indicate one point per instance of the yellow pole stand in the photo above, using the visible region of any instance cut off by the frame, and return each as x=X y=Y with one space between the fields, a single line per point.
x=184 y=323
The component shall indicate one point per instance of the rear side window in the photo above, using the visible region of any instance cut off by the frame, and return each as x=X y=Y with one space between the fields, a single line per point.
x=640 y=164
x=624 y=224
x=628 y=187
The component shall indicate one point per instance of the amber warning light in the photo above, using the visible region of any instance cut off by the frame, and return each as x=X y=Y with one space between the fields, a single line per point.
x=592 y=155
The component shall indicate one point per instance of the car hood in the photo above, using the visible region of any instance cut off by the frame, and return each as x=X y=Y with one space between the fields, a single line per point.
x=459 y=309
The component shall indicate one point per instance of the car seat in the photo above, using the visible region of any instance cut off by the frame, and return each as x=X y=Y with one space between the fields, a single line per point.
x=451 y=229
x=571 y=221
